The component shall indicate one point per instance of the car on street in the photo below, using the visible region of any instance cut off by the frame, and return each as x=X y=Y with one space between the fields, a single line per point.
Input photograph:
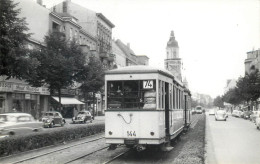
x=198 y=110
x=52 y=118
x=18 y=123
x=82 y=117
x=237 y=113
x=221 y=115
x=246 y=114
x=257 y=121
x=212 y=112
x=254 y=115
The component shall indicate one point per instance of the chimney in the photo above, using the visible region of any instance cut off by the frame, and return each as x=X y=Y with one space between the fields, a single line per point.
x=128 y=45
x=39 y=2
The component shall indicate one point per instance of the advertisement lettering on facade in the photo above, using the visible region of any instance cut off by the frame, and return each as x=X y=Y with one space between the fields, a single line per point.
x=10 y=87
x=6 y=87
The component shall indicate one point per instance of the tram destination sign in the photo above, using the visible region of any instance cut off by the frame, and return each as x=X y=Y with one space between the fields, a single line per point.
x=148 y=84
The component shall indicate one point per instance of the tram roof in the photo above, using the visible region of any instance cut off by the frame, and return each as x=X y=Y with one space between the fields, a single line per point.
x=142 y=69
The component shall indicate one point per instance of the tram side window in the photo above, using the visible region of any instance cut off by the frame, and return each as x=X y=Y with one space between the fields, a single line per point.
x=134 y=94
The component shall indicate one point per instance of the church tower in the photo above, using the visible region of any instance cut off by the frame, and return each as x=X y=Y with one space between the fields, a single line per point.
x=172 y=62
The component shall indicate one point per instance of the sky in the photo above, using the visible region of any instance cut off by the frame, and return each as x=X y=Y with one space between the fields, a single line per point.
x=213 y=35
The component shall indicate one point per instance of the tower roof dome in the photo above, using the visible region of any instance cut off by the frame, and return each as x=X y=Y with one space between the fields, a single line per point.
x=172 y=42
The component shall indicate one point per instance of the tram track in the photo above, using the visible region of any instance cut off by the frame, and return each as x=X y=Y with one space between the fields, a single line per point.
x=85 y=155
x=193 y=123
x=57 y=150
x=116 y=157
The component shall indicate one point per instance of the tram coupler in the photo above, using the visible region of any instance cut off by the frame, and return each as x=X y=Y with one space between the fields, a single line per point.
x=166 y=147
x=112 y=147
x=140 y=148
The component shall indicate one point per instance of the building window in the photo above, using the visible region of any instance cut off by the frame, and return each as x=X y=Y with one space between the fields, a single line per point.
x=76 y=35
x=71 y=33
x=80 y=40
x=1 y=102
x=64 y=7
x=55 y=27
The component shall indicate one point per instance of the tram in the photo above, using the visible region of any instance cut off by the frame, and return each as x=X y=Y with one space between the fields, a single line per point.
x=144 y=106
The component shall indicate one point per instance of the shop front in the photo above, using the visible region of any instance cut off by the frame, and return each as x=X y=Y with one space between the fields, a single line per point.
x=70 y=106
x=20 y=97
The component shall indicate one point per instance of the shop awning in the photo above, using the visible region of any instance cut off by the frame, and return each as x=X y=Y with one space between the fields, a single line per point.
x=67 y=100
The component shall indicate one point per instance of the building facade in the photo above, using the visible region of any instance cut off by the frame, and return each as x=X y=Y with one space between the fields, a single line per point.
x=94 y=24
x=172 y=62
x=93 y=32
x=252 y=62
x=129 y=57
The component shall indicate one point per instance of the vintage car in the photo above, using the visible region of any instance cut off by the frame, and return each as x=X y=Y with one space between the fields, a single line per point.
x=212 y=112
x=257 y=120
x=247 y=114
x=198 y=110
x=18 y=123
x=82 y=117
x=52 y=118
x=221 y=115
x=254 y=115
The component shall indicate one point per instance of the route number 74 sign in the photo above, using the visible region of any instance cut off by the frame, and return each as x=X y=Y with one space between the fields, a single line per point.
x=148 y=84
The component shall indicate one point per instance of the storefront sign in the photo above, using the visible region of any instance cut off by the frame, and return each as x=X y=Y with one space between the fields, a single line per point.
x=25 y=88
x=27 y=96
x=11 y=87
x=6 y=87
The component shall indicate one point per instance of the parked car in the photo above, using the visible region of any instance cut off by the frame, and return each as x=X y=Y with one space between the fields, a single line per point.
x=246 y=114
x=257 y=121
x=212 y=112
x=82 y=117
x=254 y=115
x=221 y=115
x=52 y=118
x=241 y=114
x=18 y=123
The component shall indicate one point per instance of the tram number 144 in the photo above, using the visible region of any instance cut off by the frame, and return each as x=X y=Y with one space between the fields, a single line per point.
x=131 y=134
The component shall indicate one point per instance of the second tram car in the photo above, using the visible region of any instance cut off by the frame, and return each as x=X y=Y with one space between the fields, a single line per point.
x=144 y=106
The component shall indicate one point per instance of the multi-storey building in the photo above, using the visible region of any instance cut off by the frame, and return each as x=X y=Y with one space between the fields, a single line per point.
x=93 y=31
x=173 y=61
x=252 y=62
x=130 y=57
x=17 y=94
x=96 y=25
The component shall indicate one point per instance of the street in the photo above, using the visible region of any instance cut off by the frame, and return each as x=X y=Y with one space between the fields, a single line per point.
x=235 y=141
x=92 y=149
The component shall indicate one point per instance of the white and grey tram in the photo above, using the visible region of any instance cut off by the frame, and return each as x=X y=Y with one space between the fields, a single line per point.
x=144 y=106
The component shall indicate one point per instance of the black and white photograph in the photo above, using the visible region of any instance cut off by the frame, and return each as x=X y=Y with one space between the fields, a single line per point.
x=129 y=81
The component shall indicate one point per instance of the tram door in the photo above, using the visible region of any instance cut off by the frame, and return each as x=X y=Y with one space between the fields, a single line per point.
x=167 y=130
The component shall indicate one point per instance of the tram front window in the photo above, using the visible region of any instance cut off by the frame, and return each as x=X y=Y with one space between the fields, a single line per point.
x=135 y=94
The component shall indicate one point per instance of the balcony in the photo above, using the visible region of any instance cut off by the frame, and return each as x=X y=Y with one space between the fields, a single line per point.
x=111 y=57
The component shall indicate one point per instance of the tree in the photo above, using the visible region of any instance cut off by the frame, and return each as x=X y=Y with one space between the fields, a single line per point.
x=233 y=97
x=13 y=54
x=59 y=64
x=194 y=103
x=249 y=87
x=92 y=78
x=218 y=102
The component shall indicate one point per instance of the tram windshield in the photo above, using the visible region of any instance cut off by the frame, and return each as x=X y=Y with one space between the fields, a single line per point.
x=134 y=94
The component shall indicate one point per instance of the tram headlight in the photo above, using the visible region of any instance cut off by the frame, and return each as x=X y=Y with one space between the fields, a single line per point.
x=110 y=133
x=152 y=133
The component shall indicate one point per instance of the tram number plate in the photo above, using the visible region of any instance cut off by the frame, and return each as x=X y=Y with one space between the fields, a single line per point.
x=148 y=84
x=130 y=141
x=131 y=134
